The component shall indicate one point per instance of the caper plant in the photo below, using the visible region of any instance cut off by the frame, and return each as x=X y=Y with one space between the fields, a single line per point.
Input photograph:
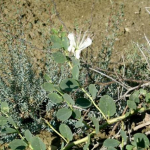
x=71 y=103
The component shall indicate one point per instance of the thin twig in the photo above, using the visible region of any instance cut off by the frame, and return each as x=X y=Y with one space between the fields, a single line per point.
x=109 y=78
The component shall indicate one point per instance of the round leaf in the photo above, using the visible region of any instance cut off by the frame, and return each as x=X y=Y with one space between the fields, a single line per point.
x=69 y=84
x=47 y=78
x=64 y=114
x=111 y=143
x=48 y=87
x=131 y=104
x=66 y=132
x=76 y=114
x=93 y=91
x=147 y=98
x=9 y=130
x=59 y=57
x=68 y=99
x=124 y=136
x=17 y=144
x=107 y=105
x=141 y=140
x=3 y=120
x=135 y=97
x=55 y=98
x=37 y=144
x=143 y=92
x=4 y=107
x=83 y=102
x=28 y=136
x=75 y=72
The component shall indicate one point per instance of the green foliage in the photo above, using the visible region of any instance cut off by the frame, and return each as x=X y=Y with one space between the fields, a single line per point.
x=83 y=102
x=93 y=91
x=131 y=104
x=111 y=143
x=135 y=97
x=4 y=108
x=59 y=42
x=59 y=57
x=79 y=123
x=107 y=105
x=37 y=144
x=26 y=109
x=141 y=140
x=96 y=124
x=48 y=87
x=63 y=114
x=17 y=144
x=75 y=72
x=68 y=99
x=3 y=120
x=147 y=98
x=87 y=144
x=69 y=84
x=124 y=136
x=76 y=114
x=55 y=98
x=66 y=132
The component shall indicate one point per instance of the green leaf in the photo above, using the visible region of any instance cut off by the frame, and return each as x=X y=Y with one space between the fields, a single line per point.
x=147 y=98
x=111 y=148
x=111 y=143
x=131 y=104
x=135 y=97
x=79 y=123
x=66 y=132
x=76 y=114
x=55 y=98
x=129 y=147
x=107 y=105
x=141 y=140
x=93 y=91
x=56 y=46
x=83 y=102
x=59 y=57
x=47 y=78
x=87 y=144
x=69 y=85
x=48 y=87
x=142 y=92
x=37 y=144
x=76 y=62
x=65 y=43
x=63 y=114
x=123 y=134
x=75 y=72
x=28 y=136
x=55 y=39
x=17 y=145
x=9 y=130
x=11 y=121
x=68 y=99
x=96 y=124
x=3 y=121
x=4 y=107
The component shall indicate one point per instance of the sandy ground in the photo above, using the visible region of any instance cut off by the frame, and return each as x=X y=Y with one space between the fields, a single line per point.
x=117 y=22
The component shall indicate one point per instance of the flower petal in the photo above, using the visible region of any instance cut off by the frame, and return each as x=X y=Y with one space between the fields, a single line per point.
x=77 y=54
x=85 y=44
x=71 y=37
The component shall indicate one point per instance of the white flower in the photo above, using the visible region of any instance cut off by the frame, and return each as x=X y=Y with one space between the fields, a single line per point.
x=76 y=46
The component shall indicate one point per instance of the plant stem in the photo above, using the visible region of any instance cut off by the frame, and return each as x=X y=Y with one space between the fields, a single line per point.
x=94 y=103
x=54 y=130
x=111 y=121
